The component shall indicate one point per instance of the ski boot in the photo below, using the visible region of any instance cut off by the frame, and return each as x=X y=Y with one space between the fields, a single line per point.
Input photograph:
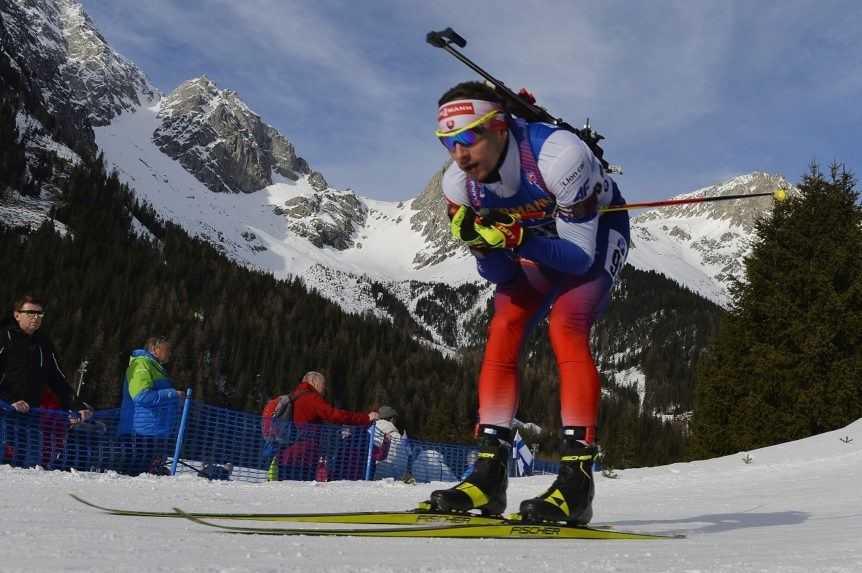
x=485 y=487
x=570 y=497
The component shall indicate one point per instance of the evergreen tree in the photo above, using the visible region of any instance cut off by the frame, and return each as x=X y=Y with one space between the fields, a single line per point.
x=787 y=362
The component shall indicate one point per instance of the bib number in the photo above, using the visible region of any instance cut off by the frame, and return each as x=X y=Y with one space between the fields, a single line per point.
x=618 y=251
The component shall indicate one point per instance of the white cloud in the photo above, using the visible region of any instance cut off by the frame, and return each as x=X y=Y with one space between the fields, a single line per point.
x=354 y=85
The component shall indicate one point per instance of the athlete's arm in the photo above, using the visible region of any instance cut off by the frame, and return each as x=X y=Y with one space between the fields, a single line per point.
x=571 y=173
x=496 y=266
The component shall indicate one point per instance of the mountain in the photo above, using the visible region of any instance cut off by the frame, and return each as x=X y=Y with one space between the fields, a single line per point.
x=225 y=145
x=701 y=246
x=203 y=160
x=67 y=71
x=206 y=161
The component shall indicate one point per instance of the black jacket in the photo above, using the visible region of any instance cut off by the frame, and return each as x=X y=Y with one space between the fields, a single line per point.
x=27 y=365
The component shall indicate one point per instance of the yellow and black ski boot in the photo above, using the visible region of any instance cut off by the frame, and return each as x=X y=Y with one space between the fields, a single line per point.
x=485 y=487
x=570 y=497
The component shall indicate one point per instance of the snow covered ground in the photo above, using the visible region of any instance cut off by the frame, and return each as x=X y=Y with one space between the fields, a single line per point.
x=796 y=507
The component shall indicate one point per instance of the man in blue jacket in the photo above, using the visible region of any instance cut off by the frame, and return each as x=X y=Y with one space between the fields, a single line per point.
x=148 y=414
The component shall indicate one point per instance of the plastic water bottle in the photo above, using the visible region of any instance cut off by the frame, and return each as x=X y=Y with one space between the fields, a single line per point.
x=321 y=474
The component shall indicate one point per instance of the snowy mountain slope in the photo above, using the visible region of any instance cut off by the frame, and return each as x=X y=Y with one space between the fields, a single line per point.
x=346 y=247
x=701 y=246
x=290 y=227
x=20 y=211
x=217 y=138
x=203 y=159
x=795 y=508
x=257 y=228
x=67 y=69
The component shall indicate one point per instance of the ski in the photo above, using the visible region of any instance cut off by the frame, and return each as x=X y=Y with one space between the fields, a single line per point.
x=411 y=517
x=505 y=530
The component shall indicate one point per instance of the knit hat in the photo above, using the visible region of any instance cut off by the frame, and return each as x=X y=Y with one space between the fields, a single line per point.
x=387 y=412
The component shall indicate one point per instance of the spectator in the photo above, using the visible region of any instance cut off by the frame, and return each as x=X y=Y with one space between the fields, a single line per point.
x=299 y=460
x=31 y=377
x=149 y=409
x=387 y=455
x=385 y=425
x=386 y=434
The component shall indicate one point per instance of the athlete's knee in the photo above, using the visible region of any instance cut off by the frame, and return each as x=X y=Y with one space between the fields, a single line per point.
x=508 y=324
x=574 y=328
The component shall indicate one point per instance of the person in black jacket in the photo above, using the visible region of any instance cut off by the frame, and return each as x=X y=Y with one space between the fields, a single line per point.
x=29 y=366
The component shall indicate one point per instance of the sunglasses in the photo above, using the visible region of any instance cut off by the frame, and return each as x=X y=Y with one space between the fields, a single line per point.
x=467 y=135
x=37 y=313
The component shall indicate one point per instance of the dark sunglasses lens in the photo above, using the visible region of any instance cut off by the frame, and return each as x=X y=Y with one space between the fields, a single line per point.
x=465 y=138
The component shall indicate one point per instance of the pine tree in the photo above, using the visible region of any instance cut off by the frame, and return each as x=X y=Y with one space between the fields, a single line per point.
x=787 y=362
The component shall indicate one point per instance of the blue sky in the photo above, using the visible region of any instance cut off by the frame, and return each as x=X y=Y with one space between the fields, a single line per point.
x=686 y=93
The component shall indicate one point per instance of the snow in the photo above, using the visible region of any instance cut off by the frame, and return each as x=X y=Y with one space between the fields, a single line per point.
x=797 y=507
x=702 y=245
x=35 y=135
x=28 y=212
x=689 y=244
x=632 y=377
x=387 y=242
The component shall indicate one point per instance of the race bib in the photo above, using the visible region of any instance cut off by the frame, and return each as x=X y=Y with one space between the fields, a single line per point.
x=618 y=251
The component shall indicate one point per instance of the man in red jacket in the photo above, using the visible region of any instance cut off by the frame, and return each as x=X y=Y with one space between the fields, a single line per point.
x=300 y=459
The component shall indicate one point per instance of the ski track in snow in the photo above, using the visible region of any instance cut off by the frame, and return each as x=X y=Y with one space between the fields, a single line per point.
x=797 y=507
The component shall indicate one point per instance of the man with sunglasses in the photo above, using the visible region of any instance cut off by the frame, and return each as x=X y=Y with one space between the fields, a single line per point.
x=526 y=198
x=30 y=371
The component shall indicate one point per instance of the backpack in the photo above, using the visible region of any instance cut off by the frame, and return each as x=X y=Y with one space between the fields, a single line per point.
x=277 y=413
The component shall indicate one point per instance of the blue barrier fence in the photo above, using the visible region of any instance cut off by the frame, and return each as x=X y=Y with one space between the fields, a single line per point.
x=217 y=443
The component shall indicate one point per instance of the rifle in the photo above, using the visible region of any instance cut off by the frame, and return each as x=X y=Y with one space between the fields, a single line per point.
x=520 y=104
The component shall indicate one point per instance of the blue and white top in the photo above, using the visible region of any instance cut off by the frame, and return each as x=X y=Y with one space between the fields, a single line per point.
x=551 y=174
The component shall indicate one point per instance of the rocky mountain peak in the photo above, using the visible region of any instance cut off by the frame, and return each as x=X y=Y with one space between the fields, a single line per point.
x=432 y=222
x=68 y=75
x=223 y=143
x=703 y=245
x=326 y=218
x=104 y=81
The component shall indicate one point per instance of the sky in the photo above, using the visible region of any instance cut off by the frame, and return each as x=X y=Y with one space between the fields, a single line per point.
x=795 y=508
x=687 y=94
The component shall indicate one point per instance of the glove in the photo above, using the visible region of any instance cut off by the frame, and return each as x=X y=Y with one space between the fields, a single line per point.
x=463 y=227
x=501 y=230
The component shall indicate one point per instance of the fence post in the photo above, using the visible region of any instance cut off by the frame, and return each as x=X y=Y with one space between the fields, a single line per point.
x=369 y=462
x=181 y=433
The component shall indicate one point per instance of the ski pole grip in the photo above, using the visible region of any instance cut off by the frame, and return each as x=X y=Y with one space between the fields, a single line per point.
x=440 y=39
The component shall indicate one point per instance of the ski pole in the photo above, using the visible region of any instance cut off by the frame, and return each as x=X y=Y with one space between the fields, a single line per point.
x=182 y=431
x=779 y=195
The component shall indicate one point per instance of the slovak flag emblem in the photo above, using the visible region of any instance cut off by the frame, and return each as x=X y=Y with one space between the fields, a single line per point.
x=450 y=124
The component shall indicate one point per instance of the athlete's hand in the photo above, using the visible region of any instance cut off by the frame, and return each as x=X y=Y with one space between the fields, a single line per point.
x=463 y=227
x=501 y=230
